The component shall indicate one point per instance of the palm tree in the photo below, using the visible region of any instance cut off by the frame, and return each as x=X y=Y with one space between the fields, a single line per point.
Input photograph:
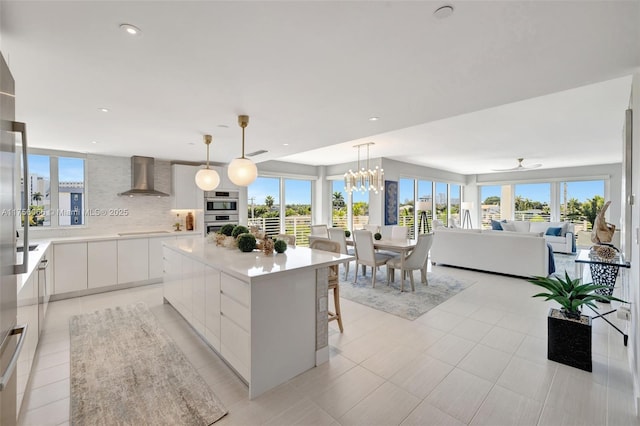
x=37 y=197
x=591 y=207
x=338 y=200
x=269 y=201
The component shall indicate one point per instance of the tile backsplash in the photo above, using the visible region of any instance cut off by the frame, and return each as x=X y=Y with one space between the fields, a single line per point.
x=106 y=177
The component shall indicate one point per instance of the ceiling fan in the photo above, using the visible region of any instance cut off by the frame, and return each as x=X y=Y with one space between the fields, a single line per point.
x=519 y=167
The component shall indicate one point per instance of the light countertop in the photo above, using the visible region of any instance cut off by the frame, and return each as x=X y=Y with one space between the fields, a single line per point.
x=253 y=265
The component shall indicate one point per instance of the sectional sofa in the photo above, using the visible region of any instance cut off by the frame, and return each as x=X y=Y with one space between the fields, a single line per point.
x=513 y=253
x=561 y=235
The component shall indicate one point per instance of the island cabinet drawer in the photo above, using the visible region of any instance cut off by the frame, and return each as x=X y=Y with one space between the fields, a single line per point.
x=235 y=289
x=235 y=312
x=234 y=346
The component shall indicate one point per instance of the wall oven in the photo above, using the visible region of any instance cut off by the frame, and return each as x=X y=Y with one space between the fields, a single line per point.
x=213 y=223
x=221 y=202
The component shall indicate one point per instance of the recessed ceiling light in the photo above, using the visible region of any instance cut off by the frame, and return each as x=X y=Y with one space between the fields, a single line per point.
x=190 y=143
x=285 y=144
x=94 y=141
x=130 y=29
x=374 y=118
x=443 y=12
x=224 y=126
x=103 y=109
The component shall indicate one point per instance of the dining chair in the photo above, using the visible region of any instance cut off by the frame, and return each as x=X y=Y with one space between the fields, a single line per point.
x=385 y=231
x=366 y=255
x=289 y=238
x=319 y=230
x=372 y=228
x=337 y=234
x=332 y=246
x=417 y=259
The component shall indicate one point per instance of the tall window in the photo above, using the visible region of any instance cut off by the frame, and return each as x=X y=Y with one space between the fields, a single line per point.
x=339 y=199
x=490 y=204
x=454 y=203
x=70 y=191
x=39 y=190
x=532 y=202
x=360 y=209
x=297 y=194
x=424 y=204
x=264 y=204
x=442 y=203
x=580 y=201
x=407 y=203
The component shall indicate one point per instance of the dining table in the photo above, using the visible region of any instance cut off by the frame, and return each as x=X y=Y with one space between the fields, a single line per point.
x=401 y=246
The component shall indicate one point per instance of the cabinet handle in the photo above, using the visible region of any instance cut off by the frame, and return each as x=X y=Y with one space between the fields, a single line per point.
x=22 y=331
x=44 y=263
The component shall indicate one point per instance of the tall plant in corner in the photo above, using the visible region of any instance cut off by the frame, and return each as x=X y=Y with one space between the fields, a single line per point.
x=568 y=331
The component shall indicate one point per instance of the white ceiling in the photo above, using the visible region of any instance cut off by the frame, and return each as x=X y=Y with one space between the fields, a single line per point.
x=311 y=73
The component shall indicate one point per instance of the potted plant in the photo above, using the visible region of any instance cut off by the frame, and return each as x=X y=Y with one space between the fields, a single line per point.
x=568 y=331
x=377 y=236
x=347 y=233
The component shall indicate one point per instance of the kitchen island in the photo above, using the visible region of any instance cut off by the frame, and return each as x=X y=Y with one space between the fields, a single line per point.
x=265 y=315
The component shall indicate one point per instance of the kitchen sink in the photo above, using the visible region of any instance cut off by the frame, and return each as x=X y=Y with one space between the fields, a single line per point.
x=32 y=247
x=122 y=234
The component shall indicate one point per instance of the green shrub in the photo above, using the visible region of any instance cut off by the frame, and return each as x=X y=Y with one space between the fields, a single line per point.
x=280 y=246
x=377 y=236
x=246 y=242
x=239 y=229
x=347 y=233
x=227 y=229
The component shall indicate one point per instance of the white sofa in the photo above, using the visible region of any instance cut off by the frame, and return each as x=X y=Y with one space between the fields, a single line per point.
x=512 y=253
x=565 y=243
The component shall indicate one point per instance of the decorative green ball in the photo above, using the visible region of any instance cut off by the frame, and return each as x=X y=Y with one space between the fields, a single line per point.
x=377 y=236
x=227 y=229
x=347 y=233
x=239 y=229
x=246 y=242
x=280 y=246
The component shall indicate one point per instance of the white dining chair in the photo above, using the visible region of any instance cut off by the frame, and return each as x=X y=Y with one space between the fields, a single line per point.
x=417 y=259
x=337 y=234
x=366 y=255
x=289 y=238
x=372 y=228
x=399 y=232
x=319 y=230
x=385 y=231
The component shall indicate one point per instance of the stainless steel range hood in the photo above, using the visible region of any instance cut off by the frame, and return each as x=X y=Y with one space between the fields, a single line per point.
x=142 y=177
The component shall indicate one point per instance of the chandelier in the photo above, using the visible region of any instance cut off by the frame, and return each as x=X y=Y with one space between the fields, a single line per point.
x=364 y=180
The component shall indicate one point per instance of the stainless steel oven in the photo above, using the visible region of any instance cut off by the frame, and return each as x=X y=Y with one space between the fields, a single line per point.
x=213 y=222
x=221 y=202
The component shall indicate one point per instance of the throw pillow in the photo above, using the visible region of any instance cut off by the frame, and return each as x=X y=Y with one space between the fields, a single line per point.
x=495 y=225
x=554 y=232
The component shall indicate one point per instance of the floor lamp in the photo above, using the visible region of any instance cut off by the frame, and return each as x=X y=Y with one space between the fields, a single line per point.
x=466 y=216
x=423 y=223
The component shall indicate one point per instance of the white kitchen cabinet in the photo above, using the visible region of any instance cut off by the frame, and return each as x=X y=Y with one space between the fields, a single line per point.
x=70 y=267
x=45 y=285
x=198 y=296
x=155 y=256
x=27 y=313
x=212 y=306
x=102 y=263
x=172 y=266
x=184 y=192
x=133 y=260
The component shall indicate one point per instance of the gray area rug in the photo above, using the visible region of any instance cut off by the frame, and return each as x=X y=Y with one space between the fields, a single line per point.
x=126 y=370
x=409 y=305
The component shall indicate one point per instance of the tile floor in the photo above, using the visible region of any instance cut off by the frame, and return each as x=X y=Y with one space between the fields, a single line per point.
x=478 y=359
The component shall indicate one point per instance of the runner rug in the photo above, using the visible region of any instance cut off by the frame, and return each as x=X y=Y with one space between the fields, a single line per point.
x=125 y=369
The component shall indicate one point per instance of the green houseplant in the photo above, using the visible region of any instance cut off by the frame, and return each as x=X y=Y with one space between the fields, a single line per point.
x=227 y=229
x=347 y=233
x=280 y=246
x=377 y=236
x=568 y=331
x=246 y=242
x=238 y=230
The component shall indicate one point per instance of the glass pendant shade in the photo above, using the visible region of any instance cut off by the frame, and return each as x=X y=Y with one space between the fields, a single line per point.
x=207 y=179
x=364 y=180
x=242 y=171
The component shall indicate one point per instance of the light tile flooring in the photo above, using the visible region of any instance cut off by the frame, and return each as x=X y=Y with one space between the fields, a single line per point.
x=478 y=358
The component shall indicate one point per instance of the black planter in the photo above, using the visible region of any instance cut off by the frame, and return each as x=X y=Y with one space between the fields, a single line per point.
x=569 y=341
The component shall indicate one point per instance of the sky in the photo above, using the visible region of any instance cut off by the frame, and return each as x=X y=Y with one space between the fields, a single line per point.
x=69 y=169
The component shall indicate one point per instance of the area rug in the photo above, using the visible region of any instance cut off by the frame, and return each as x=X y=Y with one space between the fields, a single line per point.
x=126 y=370
x=408 y=305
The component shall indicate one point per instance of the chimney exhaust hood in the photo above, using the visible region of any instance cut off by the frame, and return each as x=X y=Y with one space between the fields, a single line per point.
x=142 y=178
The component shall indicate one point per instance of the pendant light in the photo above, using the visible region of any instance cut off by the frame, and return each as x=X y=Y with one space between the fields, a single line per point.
x=207 y=179
x=364 y=180
x=242 y=171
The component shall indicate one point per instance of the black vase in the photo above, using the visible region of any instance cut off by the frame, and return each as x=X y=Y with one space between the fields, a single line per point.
x=569 y=341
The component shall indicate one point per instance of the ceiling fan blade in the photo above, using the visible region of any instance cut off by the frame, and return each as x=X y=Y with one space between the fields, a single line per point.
x=519 y=167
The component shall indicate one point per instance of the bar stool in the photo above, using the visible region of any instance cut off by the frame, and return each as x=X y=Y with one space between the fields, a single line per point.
x=332 y=246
